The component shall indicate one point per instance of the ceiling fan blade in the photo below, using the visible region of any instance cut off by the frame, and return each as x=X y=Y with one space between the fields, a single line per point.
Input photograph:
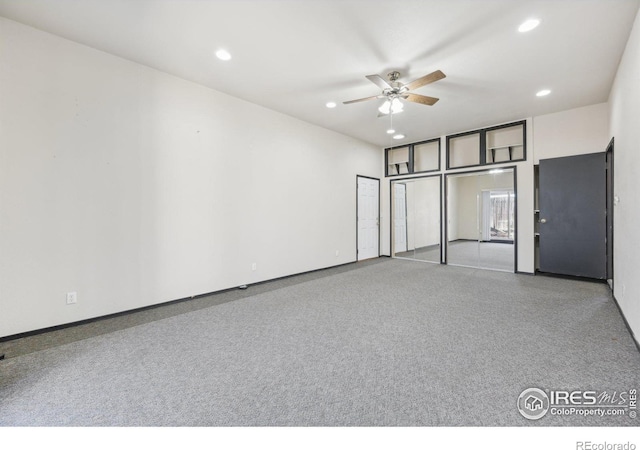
x=422 y=99
x=363 y=99
x=430 y=78
x=379 y=81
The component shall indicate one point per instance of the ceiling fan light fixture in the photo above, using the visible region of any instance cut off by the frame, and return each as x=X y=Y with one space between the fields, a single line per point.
x=392 y=106
x=385 y=108
x=396 y=106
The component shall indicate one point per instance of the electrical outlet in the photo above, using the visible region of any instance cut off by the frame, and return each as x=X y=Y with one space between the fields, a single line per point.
x=254 y=266
x=72 y=297
x=337 y=253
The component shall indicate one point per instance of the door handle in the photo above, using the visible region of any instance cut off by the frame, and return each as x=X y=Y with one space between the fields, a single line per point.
x=543 y=220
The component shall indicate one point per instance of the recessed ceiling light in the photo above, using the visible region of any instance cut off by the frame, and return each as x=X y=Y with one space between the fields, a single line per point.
x=543 y=92
x=223 y=55
x=331 y=104
x=391 y=131
x=528 y=25
x=399 y=136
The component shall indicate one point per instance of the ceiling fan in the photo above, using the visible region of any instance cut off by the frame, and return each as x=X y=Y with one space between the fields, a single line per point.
x=393 y=91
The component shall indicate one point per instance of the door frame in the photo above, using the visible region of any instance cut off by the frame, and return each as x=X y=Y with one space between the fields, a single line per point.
x=610 y=199
x=357 y=198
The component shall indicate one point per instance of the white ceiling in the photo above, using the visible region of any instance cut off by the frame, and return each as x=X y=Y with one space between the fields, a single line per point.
x=293 y=56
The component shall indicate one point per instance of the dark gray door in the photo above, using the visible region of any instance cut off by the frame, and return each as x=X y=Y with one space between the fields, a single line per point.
x=573 y=221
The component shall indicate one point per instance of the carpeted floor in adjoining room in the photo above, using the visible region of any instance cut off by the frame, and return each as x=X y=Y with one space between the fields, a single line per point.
x=488 y=255
x=395 y=343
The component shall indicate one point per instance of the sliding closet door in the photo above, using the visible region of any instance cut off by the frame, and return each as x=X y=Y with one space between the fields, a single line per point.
x=416 y=212
x=481 y=225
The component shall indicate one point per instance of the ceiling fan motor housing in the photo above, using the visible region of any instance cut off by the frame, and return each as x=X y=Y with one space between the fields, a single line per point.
x=393 y=76
x=396 y=86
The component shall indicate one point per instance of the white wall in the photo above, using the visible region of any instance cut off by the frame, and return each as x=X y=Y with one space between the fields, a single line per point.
x=625 y=128
x=573 y=132
x=133 y=187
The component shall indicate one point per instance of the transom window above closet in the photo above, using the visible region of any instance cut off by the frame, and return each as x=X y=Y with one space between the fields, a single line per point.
x=413 y=158
x=499 y=144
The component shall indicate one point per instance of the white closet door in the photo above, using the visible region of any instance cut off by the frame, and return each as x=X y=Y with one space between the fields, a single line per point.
x=368 y=218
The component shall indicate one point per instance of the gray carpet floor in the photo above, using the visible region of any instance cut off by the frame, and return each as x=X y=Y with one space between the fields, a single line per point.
x=390 y=343
x=430 y=253
x=488 y=255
